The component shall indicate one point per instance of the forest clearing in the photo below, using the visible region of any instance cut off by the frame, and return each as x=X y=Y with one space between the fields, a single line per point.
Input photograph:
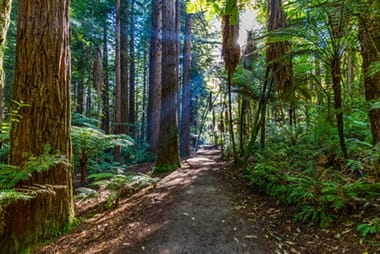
x=189 y=126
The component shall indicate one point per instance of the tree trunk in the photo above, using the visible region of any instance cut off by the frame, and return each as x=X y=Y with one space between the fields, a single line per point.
x=231 y=55
x=168 y=155
x=118 y=119
x=144 y=109
x=89 y=102
x=43 y=82
x=98 y=82
x=230 y=118
x=336 y=77
x=370 y=50
x=132 y=70
x=155 y=56
x=83 y=168
x=124 y=59
x=80 y=97
x=105 y=90
x=5 y=10
x=80 y=107
x=186 y=111
x=336 y=82
x=178 y=50
x=276 y=59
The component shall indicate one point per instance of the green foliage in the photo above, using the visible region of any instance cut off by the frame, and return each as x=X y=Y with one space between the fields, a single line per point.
x=120 y=185
x=10 y=175
x=84 y=121
x=310 y=176
x=10 y=196
x=165 y=168
x=5 y=128
x=371 y=227
x=98 y=146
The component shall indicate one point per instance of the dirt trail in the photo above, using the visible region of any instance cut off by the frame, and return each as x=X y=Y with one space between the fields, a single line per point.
x=201 y=217
x=203 y=207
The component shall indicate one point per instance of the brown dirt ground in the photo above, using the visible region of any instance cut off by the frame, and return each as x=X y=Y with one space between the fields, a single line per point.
x=204 y=207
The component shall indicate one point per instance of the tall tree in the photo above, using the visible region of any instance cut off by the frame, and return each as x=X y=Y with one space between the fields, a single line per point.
x=231 y=56
x=98 y=81
x=279 y=62
x=105 y=92
x=336 y=21
x=5 y=10
x=369 y=32
x=118 y=106
x=186 y=111
x=43 y=83
x=124 y=59
x=132 y=74
x=178 y=49
x=155 y=57
x=168 y=154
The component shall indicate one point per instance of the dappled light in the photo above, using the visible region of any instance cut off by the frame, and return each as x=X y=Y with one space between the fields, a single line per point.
x=189 y=126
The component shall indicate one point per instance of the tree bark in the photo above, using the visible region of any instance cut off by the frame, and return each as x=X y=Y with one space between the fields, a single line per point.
x=5 y=10
x=177 y=53
x=336 y=77
x=168 y=154
x=43 y=82
x=105 y=90
x=98 y=82
x=336 y=82
x=118 y=111
x=132 y=77
x=186 y=111
x=155 y=56
x=231 y=55
x=144 y=108
x=124 y=59
x=370 y=50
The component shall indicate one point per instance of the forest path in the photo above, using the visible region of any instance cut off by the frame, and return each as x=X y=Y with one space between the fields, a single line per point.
x=203 y=207
x=202 y=215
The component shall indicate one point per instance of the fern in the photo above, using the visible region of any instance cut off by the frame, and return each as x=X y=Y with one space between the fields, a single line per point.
x=370 y=228
x=116 y=183
x=11 y=175
x=8 y=196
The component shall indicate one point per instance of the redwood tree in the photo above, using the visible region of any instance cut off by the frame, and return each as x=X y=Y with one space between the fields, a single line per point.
x=105 y=95
x=168 y=154
x=186 y=111
x=43 y=82
x=5 y=9
x=124 y=66
x=118 y=113
x=155 y=56
x=132 y=75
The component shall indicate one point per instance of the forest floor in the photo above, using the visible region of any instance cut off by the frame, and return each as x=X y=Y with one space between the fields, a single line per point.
x=205 y=206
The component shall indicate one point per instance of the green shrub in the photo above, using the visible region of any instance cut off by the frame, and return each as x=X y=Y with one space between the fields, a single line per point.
x=371 y=227
x=311 y=177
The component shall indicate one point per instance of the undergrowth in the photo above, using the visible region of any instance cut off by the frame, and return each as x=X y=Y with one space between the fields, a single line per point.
x=313 y=177
x=98 y=147
x=119 y=186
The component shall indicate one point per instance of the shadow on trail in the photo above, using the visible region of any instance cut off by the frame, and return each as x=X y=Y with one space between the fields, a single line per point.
x=189 y=211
